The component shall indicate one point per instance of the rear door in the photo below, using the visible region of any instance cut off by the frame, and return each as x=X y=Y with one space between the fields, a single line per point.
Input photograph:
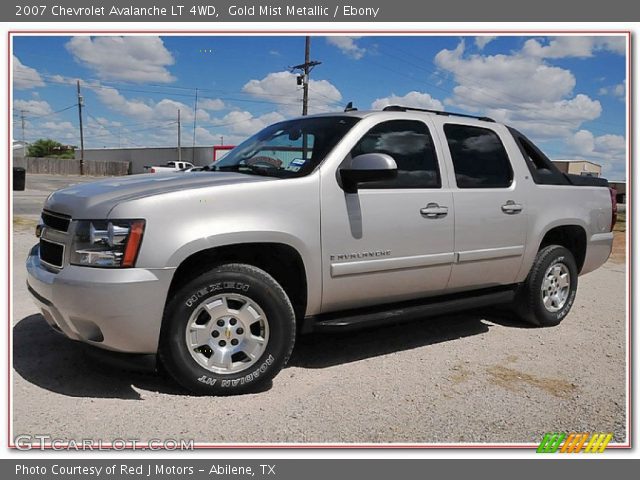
x=491 y=211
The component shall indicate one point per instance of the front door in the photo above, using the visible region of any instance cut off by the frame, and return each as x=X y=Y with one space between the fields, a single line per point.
x=393 y=239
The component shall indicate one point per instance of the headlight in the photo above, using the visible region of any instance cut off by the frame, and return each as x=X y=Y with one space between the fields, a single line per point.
x=106 y=243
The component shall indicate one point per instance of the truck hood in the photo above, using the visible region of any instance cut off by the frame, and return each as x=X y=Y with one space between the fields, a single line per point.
x=96 y=199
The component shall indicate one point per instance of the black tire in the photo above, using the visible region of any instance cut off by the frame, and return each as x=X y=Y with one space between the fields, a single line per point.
x=529 y=300
x=252 y=283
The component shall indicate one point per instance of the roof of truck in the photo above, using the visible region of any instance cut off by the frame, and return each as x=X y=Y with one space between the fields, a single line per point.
x=401 y=108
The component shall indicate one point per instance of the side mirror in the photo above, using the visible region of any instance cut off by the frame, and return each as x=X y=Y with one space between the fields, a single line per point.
x=369 y=167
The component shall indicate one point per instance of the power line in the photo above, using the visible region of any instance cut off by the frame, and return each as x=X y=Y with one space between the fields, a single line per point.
x=34 y=116
x=93 y=86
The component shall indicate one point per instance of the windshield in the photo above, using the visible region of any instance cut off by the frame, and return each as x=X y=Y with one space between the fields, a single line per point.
x=287 y=149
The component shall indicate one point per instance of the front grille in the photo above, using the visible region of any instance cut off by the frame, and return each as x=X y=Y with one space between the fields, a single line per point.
x=51 y=253
x=56 y=221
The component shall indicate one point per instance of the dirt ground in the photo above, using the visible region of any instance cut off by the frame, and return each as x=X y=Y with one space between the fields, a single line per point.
x=476 y=377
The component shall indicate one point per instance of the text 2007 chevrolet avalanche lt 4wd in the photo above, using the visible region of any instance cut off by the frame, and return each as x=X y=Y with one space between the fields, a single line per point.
x=321 y=222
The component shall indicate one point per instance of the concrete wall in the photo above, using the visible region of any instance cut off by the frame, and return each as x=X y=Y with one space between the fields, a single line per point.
x=140 y=157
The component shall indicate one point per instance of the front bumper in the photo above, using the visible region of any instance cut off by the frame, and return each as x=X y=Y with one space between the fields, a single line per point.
x=115 y=309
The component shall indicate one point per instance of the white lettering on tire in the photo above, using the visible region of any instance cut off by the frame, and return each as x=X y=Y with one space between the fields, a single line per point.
x=214 y=287
x=249 y=377
x=207 y=380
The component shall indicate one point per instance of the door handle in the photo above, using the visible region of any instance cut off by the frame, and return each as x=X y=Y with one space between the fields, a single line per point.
x=511 y=207
x=433 y=210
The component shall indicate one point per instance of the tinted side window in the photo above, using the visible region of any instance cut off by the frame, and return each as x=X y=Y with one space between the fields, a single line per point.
x=411 y=146
x=479 y=158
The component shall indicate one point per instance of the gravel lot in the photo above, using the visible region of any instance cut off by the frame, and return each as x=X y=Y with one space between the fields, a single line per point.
x=475 y=377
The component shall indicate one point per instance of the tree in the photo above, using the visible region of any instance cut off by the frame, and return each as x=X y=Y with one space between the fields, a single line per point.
x=46 y=147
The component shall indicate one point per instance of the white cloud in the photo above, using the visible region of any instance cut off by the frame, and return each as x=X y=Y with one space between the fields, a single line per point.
x=25 y=77
x=607 y=150
x=59 y=126
x=33 y=107
x=518 y=89
x=244 y=123
x=61 y=79
x=65 y=132
x=560 y=47
x=167 y=109
x=619 y=90
x=117 y=102
x=104 y=122
x=411 y=99
x=234 y=126
x=204 y=136
x=500 y=78
x=133 y=59
x=616 y=44
x=482 y=42
x=282 y=88
x=145 y=109
x=582 y=142
x=212 y=104
x=348 y=46
x=573 y=46
x=611 y=143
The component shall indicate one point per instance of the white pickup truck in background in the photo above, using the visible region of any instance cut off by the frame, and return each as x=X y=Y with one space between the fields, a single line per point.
x=169 y=167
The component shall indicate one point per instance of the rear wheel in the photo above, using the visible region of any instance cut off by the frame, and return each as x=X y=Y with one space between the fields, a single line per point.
x=548 y=293
x=228 y=331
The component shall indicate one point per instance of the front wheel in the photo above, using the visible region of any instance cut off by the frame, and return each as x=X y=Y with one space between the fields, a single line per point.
x=548 y=293
x=228 y=331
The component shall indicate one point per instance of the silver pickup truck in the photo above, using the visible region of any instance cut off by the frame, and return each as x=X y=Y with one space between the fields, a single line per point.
x=326 y=222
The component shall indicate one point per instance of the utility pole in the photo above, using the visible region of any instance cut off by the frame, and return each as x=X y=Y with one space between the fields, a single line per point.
x=80 y=103
x=195 y=117
x=24 y=142
x=179 y=144
x=303 y=78
x=305 y=85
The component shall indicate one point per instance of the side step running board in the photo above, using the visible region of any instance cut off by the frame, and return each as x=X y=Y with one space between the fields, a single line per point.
x=406 y=311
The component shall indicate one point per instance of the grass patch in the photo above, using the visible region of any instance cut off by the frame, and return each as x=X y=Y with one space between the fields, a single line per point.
x=621 y=224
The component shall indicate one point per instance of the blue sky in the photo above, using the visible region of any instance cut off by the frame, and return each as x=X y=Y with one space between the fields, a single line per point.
x=566 y=93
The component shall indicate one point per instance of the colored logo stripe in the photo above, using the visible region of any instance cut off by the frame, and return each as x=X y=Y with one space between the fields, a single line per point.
x=598 y=443
x=574 y=442
x=551 y=442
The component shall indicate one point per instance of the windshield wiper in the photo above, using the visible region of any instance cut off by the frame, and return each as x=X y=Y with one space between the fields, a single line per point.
x=249 y=169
